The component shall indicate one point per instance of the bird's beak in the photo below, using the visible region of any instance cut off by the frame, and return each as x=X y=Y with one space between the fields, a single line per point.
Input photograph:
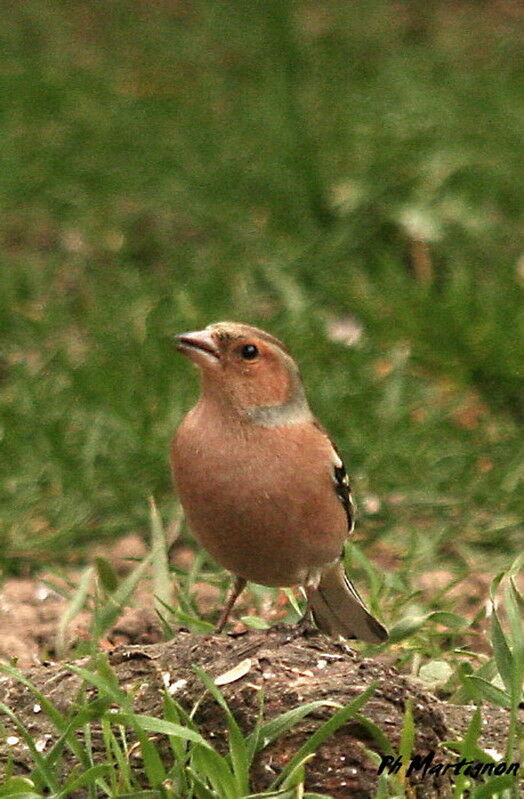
x=199 y=346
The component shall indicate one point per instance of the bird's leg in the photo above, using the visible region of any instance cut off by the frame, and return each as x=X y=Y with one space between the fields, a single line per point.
x=306 y=623
x=238 y=586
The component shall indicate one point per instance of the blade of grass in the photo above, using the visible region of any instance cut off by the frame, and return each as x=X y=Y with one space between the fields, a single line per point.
x=49 y=709
x=502 y=652
x=294 y=781
x=153 y=766
x=61 y=722
x=115 y=757
x=487 y=692
x=74 y=606
x=495 y=787
x=43 y=772
x=407 y=740
x=327 y=729
x=253 y=739
x=106 y=687
x=178 y=746
x=162 y=581
x=217 y=770
x=517 y=676
x=152 y=724
x=463 y=694
x=199 y=786
x=273 y=729
x=374 y=730
x=108 y=614
x=468 y=748
x=91 y=776
x=107 y=576
x=69 y=739
x=238 y=747
x=291 y=598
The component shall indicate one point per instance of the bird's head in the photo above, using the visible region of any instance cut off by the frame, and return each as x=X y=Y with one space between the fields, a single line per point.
x=244 y=367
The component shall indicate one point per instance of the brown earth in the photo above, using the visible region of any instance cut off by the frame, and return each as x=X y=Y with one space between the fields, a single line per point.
x=291 y=666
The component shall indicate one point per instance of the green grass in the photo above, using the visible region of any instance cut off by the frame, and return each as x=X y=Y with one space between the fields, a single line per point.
x=160 y=169
x=164 y=166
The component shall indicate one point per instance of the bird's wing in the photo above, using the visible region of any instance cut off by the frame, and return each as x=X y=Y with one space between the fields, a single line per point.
x=340 y=480
x=342 y=488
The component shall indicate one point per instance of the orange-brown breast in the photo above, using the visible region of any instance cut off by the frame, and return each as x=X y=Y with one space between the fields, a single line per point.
x=262 y=504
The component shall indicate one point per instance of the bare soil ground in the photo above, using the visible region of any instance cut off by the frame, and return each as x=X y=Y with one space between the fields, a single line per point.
x=292 y=668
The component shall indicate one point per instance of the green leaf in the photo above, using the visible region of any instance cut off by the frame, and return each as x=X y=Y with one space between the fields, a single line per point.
x=106 y=672
x=193 y=623
x=473 y=750
x=411 y=624
x=16 y=786
x=468 y=747
x=463 y=695
x=291 y=598
x=514 y=614
x=21 y=795
x=255 y=622
x=516 y=566
x=451 y=620
x=276 y=727
x=116 y=757
x=93 y=710
x=487 y=692
x=503 y=656
x=406 y=627
x=493 y=587
x=295 y=779
x=254 y=738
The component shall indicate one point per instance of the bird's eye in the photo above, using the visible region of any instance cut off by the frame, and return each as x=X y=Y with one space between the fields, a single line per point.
x=249 y=352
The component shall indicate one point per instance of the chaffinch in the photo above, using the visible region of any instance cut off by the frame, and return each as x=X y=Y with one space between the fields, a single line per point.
x=264 y=489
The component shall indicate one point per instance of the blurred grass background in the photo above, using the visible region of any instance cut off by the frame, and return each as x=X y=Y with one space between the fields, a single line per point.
x=347 y=175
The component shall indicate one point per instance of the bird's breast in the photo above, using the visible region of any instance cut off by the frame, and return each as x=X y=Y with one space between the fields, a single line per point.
x=262 y=503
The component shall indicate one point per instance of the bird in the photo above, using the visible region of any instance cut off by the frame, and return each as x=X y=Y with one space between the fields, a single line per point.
x=263 y=488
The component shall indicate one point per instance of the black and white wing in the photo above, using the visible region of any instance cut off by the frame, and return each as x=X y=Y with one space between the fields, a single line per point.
x=342 y=487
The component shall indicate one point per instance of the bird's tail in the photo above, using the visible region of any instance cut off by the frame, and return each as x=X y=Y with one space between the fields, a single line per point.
x=338 y=609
